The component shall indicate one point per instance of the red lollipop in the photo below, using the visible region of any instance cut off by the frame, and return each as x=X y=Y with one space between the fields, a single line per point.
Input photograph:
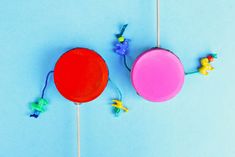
x=80 y=75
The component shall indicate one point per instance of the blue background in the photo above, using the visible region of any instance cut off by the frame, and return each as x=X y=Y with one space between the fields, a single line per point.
x=198 y=122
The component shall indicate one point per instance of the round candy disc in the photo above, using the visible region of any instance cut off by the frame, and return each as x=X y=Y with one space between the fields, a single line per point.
x=80 y=75
x=157 y=75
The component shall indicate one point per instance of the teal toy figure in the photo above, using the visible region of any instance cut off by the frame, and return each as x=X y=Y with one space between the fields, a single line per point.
x=38 y=107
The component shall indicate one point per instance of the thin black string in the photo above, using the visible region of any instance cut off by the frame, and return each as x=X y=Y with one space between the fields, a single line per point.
x=117 y=89
x=129 y=69
x=46 y=81
x=189 y=73
x=122 y=31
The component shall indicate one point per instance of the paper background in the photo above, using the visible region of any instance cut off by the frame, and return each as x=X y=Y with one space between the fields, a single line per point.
x=198 y=122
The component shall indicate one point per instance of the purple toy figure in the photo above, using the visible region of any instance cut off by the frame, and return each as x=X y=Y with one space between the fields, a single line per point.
x=121 y=48
x=121 y=45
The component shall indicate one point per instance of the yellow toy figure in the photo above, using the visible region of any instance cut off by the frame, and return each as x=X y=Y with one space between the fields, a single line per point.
x=205 y=64
x=118 y=107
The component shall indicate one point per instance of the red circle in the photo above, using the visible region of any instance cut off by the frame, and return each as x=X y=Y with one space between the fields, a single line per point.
x=80 y=75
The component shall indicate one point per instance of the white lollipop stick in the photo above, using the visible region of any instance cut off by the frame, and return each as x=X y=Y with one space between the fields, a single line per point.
x=78 y=127
x=158 y=22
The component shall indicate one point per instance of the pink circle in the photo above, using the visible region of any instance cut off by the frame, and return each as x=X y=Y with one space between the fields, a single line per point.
x=157 y=75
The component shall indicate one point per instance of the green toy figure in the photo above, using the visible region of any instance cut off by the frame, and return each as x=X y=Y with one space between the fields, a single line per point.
x=38 y=107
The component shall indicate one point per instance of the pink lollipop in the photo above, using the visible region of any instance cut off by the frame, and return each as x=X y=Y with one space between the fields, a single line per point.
x=157 y=75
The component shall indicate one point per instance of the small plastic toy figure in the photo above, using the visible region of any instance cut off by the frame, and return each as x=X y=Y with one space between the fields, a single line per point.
x=122 y=44
x=121 y=48
x=205 y=64
x=118 y=106
x=38 y=107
